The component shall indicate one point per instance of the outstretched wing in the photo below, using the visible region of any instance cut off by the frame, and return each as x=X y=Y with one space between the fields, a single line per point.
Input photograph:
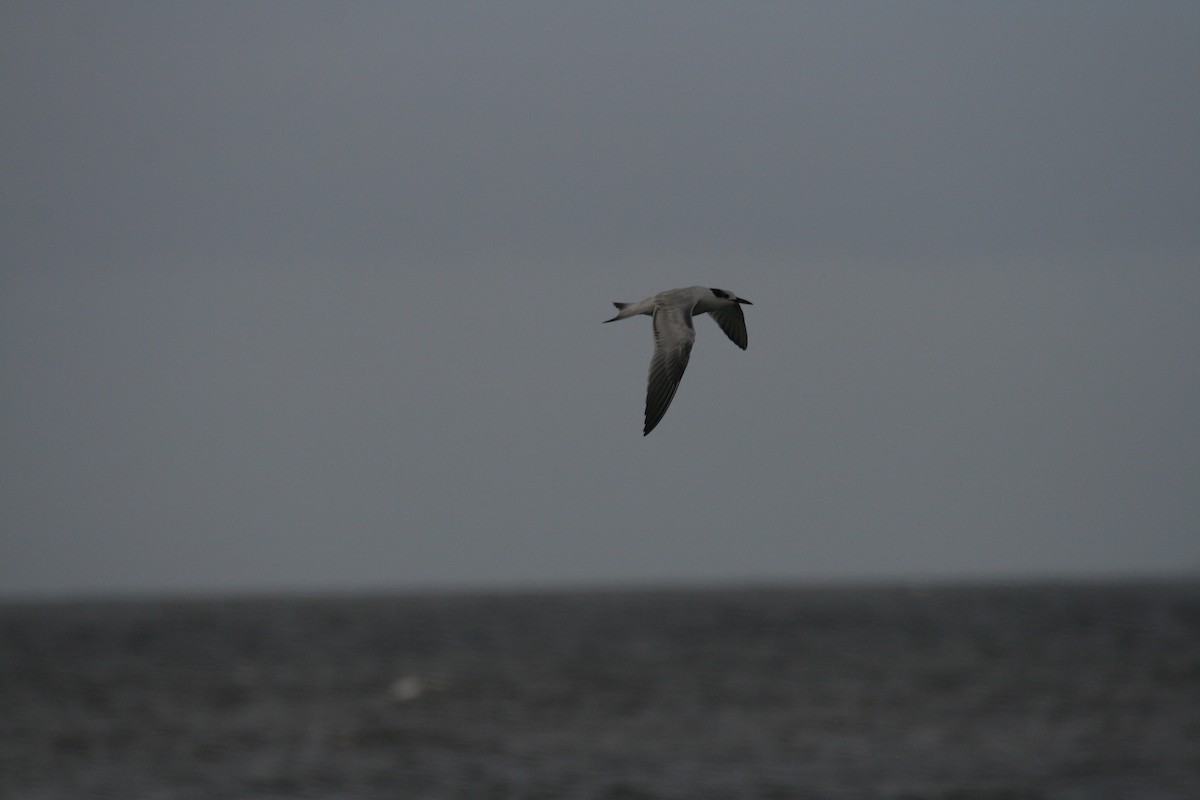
x=733 y=322
x=673 y=338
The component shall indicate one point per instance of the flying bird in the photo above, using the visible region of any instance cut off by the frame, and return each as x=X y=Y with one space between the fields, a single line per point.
x=672 y=311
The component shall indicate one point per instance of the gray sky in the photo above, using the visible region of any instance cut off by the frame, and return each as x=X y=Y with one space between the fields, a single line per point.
x=309 y=295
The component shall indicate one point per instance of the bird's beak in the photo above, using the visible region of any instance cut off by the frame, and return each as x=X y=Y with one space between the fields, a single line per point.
x=747 y=302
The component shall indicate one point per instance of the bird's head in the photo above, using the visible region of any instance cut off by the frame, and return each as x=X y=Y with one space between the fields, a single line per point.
x=725 y=294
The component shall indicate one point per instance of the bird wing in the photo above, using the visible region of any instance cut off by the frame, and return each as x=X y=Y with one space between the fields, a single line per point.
x=673 y=338
x=733 y=322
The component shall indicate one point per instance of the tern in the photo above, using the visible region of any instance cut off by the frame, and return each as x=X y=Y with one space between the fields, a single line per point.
x=672 y=311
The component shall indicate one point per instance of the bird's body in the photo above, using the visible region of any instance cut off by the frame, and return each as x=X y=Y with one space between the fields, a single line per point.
x=672 y=311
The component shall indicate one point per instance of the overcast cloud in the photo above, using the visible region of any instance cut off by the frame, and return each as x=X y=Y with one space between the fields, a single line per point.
x=307 y=295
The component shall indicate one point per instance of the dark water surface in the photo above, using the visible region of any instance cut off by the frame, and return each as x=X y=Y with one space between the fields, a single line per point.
x=968 y=693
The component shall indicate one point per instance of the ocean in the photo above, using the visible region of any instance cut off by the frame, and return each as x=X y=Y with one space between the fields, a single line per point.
x=973 y=692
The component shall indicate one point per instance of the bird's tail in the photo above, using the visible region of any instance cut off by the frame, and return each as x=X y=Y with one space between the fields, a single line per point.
x=620 y=310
